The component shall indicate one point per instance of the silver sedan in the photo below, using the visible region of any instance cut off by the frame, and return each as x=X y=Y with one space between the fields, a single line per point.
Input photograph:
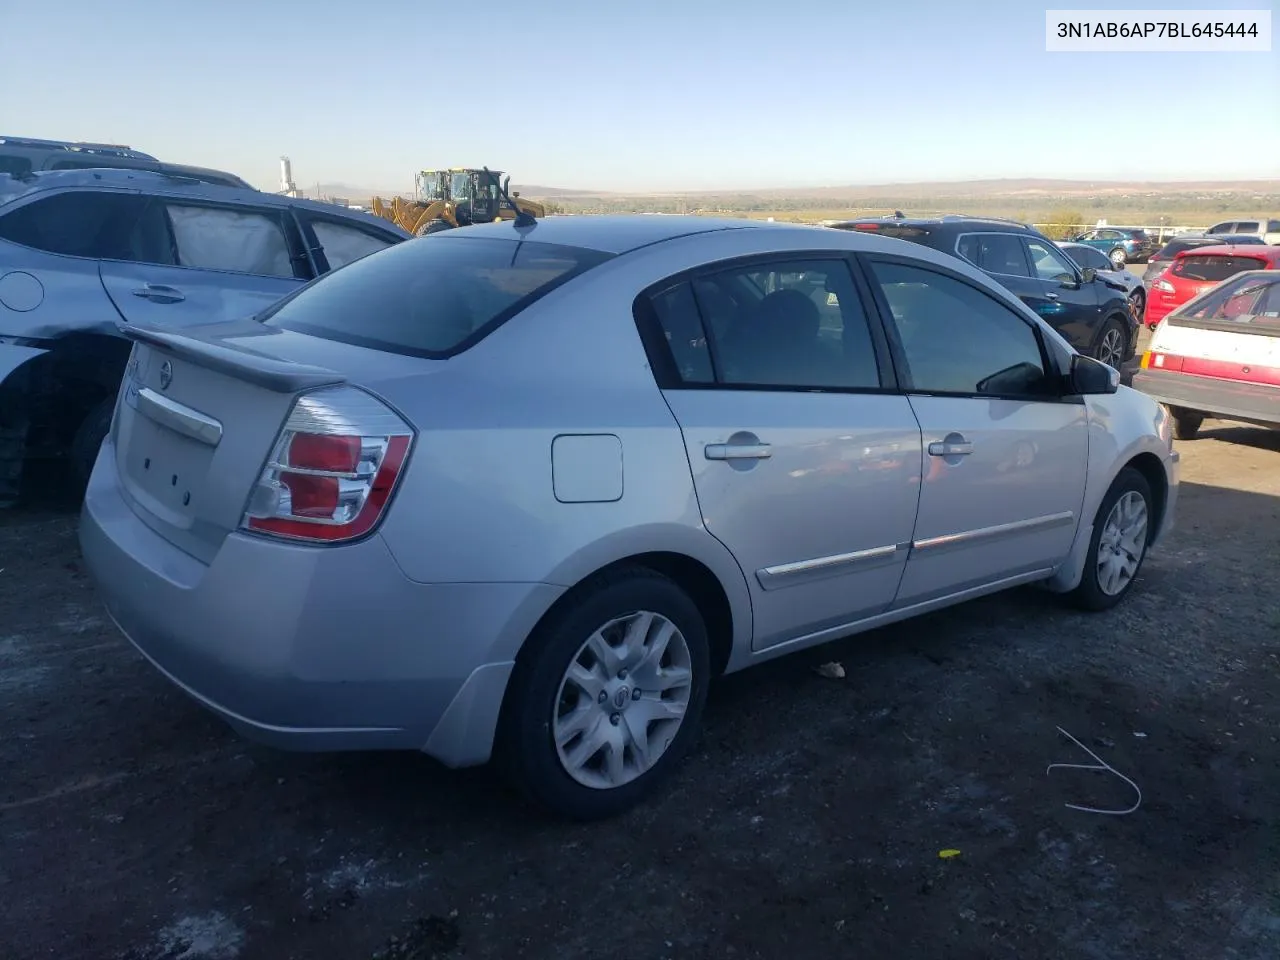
x=521 y=492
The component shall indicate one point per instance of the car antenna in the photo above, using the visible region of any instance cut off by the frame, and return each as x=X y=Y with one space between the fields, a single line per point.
x=523 y=217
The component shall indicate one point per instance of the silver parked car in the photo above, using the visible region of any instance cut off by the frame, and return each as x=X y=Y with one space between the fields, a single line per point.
x=85 y=251
x=522 y=492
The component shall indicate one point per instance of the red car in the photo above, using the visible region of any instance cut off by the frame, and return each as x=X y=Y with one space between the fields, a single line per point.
x=1196 y=270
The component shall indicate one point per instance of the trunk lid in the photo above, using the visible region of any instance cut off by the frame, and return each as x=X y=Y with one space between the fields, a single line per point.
x=199 y=413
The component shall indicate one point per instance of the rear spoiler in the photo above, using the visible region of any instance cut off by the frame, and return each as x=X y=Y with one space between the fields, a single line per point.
x=281 y=376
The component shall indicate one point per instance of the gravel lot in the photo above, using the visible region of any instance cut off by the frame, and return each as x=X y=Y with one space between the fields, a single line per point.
x=808 y=823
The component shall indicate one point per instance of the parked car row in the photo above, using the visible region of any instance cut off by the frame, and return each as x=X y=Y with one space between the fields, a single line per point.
x=1093 y=312
x=1198 y=266
x=82 y=251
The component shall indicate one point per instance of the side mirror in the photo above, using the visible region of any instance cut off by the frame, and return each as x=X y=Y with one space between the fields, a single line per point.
x=1091 y=377
x=516 y=194
x=1089 y=274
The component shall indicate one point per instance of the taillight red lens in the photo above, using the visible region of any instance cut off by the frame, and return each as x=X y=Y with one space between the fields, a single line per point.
x=332 y=470
x=866 y=226
x=316 y=451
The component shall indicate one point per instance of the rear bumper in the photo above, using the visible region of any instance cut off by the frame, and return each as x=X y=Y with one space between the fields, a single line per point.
x=1248 y=402
x=312 y=648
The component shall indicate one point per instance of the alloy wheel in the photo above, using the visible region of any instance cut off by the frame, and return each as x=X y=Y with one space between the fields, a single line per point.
x=1111 y=347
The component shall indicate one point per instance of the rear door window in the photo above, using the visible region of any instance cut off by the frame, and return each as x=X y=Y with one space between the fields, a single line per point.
x=342 y=243
x=1000 y=253
x=786 y=325
x=237 y=239
x=1207 y=267
x=77 y=223
x=15 y=166
x=1248 y=226
x=433 y=296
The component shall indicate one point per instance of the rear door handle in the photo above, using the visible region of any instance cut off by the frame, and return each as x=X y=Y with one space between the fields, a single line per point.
x=950 y=448
x=737 y=451
x=159 y=293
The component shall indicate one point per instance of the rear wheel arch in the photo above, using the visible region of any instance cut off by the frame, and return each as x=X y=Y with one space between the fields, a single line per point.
x=693 y=576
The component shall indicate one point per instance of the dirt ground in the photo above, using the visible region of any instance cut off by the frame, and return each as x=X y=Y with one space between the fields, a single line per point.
x=808 y=823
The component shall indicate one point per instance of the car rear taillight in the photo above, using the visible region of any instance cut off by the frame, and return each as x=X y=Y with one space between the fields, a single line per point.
x=866 y=226
x=332 y=469
x=1162 y=285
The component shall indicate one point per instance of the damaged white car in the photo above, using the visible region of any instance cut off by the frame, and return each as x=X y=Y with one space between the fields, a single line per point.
x=84 y=251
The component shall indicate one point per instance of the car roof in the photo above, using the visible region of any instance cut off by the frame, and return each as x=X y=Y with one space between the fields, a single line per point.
x=613 y=233
x=1232 y=250
x=949 y=219
x=12 y=188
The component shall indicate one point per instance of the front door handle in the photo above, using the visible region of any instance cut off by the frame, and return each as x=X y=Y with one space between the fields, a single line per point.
x=737 y=451
x=1051 y=296
x=950 y=448
x=159 y=293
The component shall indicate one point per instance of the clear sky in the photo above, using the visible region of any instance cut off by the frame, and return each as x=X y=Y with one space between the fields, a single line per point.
x=659 y=94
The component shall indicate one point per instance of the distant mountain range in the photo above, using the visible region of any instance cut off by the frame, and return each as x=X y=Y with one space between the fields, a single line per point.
x=1027 y=187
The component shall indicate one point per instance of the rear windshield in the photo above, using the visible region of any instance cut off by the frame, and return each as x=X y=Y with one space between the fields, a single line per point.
x=888 y=230
x=1214 y=268
x=1248 y=304
x=1137 y=234
x=432 y=296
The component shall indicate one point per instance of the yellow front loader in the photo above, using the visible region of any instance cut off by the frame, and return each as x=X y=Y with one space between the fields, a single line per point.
x=453 y=198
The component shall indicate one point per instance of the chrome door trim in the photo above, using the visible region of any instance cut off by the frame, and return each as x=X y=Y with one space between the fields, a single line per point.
x=987 y=534
x=785 y=574
x=178 y=417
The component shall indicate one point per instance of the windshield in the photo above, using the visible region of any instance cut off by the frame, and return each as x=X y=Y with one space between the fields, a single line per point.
x=460 y=186
x=432 y=185
x=431 y=297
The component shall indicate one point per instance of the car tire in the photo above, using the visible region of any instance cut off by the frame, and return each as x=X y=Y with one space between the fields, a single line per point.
x=1122 y=524
x=433 y=226
x=1118 y=258
x=1186 y=423
x=88 y=439
x=550 y=721
x=1139 y=300
x=1112 y=343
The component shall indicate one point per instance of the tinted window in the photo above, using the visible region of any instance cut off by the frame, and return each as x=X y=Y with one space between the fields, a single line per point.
x=1225 y=227
x=957 y=339
x=1048 y=262
x=342 y=243
x=677 y=315
x=1248 y=226
x=794 y=324
x=1089 y=257
x=429 y=296
x=999 y=253
x=79 y=223
x=1273 y=226
x=1214 y=268
x=230 y=238
x=15 y=166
